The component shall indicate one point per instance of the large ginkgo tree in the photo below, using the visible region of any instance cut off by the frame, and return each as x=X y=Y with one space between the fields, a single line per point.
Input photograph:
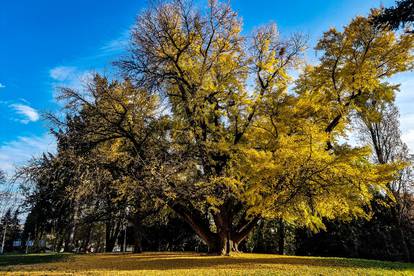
x=240 y=139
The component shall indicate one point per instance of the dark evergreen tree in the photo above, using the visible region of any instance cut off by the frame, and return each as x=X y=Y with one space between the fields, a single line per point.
x=11 y=224
x=400 y=15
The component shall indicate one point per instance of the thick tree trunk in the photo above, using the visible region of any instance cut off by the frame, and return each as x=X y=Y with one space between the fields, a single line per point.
x=120 y=241
x=88 y=239
x=225 y=243
x=137 y=227
x=199 y=224
x=228 y=236
x=59 y=243
x=281 y=242
x=111 y=233
x=109 y=246
x=68 y=245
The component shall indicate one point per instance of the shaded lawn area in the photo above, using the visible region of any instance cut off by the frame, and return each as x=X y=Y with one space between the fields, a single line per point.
x=23 y=259
x=194 y=264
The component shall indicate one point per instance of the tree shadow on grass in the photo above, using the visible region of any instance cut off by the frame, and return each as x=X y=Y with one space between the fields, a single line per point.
x=187 y=261
x=20 y=259
x=172 y=261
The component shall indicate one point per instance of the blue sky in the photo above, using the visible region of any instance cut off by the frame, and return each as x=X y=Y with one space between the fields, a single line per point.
x=49 y=43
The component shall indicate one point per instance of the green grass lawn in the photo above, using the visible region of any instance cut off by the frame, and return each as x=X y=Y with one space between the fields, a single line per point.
x=193 y=264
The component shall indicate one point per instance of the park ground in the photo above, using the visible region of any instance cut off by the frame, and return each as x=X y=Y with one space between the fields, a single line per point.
x=193 y=264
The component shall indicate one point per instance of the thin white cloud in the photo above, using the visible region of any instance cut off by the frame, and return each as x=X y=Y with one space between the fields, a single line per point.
x=18 y=152
x=62 y=73
x=76 y=76
x=69 y=77
x=116 y=45
x=29 y=113
x=2 y=85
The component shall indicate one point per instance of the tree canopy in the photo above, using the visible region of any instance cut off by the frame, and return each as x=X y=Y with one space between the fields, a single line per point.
x=211 y=123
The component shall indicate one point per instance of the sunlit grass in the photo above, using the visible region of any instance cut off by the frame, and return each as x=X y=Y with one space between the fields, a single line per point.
x=194 y=264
